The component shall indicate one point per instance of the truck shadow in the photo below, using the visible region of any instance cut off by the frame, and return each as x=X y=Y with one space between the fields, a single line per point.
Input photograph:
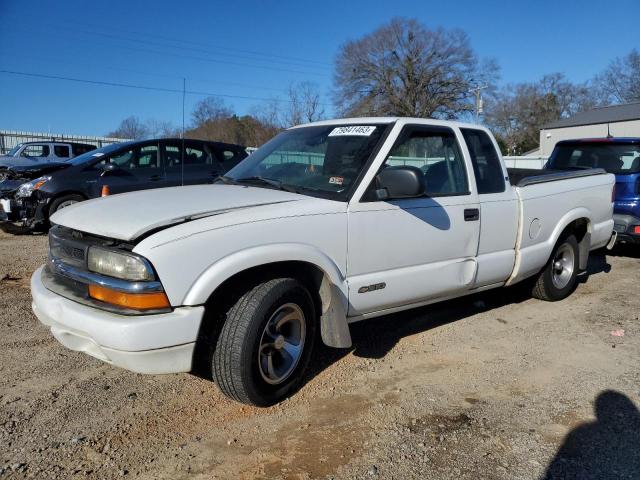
x=607 y=447
x=625 y=250
x=375 y=338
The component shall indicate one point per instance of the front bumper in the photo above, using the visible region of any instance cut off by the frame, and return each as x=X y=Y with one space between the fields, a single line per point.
x=624 y=225
x=158 y=343
x=29 y=211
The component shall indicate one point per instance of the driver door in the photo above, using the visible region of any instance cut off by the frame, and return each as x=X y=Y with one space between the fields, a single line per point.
x=404 y=251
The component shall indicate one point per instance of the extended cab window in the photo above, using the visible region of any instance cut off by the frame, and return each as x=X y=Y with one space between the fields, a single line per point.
x=435 y=152
x=485 y=160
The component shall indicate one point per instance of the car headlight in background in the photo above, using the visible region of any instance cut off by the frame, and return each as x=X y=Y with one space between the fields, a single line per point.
x=125 y=266
x=26 y=189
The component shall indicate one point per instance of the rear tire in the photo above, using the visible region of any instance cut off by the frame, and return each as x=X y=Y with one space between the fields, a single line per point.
x=558 y=279
x=265 y=343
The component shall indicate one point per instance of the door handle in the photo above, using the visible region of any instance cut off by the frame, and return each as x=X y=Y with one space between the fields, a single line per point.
x=471 y=214
x=154 y=178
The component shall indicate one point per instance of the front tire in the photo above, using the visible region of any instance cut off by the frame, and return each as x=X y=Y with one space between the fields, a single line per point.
x=559 y=278
x=63 y=202
x=265 y=343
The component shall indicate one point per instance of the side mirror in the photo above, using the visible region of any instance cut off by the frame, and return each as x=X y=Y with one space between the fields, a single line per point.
x=108 y=168
x=399 y=182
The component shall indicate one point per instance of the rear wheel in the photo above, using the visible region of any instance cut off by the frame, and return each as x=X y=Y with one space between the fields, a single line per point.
x=265 y=343
x=559 y=277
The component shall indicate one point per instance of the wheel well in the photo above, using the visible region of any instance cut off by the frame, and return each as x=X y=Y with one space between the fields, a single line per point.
x=581 y=228
x=223 y=298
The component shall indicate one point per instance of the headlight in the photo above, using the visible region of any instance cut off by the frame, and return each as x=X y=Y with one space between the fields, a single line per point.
x=126 y=266
x=26 y=189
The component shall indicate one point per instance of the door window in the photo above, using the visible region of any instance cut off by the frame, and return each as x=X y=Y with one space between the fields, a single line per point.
x=61 y=151
x=485 y=160
x=194 y=156
x=36 y=151
x=436 y=154
x=136 y=159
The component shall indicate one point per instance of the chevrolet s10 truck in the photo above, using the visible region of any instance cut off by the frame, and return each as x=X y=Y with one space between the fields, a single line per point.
x=327 y=224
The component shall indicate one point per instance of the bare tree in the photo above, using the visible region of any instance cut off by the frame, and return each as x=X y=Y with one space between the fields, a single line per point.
x=161 y=129
x=620 y=81
x=210 y=108
x=303 y=104
x=518 y=112
x=404 y=68
x=130 y=128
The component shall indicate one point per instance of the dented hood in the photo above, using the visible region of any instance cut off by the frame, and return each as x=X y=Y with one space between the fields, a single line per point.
x=130 y=215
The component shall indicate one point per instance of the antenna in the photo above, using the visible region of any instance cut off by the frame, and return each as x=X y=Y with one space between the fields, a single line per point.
x=609 y=132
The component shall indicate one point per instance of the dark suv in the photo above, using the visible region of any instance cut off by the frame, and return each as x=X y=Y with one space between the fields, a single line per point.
x=117 y=168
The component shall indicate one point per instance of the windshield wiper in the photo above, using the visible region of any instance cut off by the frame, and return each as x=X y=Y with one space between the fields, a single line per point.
x=227 y=180
x=267 y=181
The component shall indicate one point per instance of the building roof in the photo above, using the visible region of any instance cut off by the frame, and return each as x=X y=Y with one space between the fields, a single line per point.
x=610 y=114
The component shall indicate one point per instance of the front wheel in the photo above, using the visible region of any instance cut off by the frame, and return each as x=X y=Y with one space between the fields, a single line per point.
x=559 y=277
x=63 y=202
x=265 y=343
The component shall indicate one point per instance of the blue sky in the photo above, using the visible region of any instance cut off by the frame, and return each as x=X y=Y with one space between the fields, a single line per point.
x=257 y=48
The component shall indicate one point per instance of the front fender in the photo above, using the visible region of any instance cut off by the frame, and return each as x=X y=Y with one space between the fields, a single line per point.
x=242 y=260
x=333 y=290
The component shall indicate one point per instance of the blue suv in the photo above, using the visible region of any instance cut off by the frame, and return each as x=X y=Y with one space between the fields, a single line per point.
x=620 y=156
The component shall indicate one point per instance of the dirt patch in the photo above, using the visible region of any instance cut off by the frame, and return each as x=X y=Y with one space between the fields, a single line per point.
x=487 y=387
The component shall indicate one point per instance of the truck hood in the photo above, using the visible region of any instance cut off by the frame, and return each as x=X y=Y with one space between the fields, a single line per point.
x=129 y=216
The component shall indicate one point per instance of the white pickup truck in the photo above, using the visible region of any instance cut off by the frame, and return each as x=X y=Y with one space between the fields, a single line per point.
x=327 y=224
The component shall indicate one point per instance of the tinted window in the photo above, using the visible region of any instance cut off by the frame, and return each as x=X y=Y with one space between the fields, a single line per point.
x=36 y=151
x=80 y=149
x=135 y=159
x=485 y=160
x=193 y=156
x=613 y=157
x=61 y=151
x=436 y=153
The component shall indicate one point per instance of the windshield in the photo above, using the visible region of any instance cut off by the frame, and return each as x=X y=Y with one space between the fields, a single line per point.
x=93 y=154
x=617 y=158
x=322 y=160
x=14 y=150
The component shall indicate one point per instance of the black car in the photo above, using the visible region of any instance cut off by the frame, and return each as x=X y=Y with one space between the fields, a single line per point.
x=32 y=194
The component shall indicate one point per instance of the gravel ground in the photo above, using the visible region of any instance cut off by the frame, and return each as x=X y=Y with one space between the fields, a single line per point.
x=495 y=386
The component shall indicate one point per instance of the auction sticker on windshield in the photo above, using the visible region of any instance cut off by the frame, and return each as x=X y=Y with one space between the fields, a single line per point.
x=353 y=130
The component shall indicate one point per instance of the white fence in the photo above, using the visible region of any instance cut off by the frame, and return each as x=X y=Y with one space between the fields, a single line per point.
x=536 y=163
x=11 y=138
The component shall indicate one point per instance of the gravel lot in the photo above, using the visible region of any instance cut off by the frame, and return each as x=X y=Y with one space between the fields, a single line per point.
x=495 y=386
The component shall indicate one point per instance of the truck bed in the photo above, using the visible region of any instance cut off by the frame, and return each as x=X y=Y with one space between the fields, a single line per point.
x=521 y=177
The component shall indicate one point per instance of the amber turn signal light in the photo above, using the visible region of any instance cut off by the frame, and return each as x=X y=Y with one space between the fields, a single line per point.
x=137 y=301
